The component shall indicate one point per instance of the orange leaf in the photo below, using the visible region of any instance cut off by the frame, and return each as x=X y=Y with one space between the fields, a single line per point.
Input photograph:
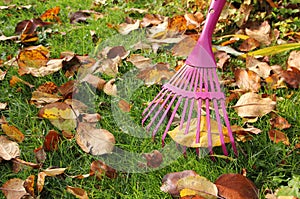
x=29 y=185
x=278 y=136
x=51 y=14
x=78 y=192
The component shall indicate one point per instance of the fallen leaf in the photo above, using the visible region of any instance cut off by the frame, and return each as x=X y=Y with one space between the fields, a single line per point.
x=292 y=77
x=90 y=117
x=261 y=34
x=244 y=134
x=10 y=38
x=60 y=114
x=200 y=185
x=222 y=57
x=236 y=186
x=117 y=51
x=254 y=105
x=54 y=171
x=94 y=141
x=124 y=106
x=156 y=74
x=68 y=89
x=41 y=98
x=280 y=123
x=40 y=154
x=249 y=44
x=170 y=181
x=48 y=87
x=15 y=80
x=110 y=88
x=189 y=139
x=2 y=74
x=184 y=47
x=14 y=189
x=23 y=162
x=139 y=61
x=247 y=80
x=154 y=159
x=278 y=136
x=47 y=172
x=51 y=14
x=151 y=19
x=29 y=185
x=40 y=181
x=13 y=132
x=78 y=192
x=3 y=105
x=261 y=68
x=94 y=80
x=8 y=149
x=99 y=168
x=294 y=60
x=51 y=141
x=126 y=28
x=82 y=16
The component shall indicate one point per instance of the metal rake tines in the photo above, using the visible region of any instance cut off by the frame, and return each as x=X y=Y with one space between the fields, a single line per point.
x=190 y=90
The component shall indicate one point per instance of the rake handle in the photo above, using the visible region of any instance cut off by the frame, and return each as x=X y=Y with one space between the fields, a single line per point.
x=202 y=55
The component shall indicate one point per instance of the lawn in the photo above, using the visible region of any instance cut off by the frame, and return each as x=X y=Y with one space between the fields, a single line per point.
x=268 y=164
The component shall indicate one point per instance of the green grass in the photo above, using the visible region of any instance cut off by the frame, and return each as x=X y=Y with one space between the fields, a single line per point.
x=267 y=164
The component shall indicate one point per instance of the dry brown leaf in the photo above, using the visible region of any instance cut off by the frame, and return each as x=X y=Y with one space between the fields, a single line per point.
x=78 y=192
x=99 y=168
x=29 y=185
x=198 y=184
x=13 y=132
x=156 y=74
x=261 y=34
x=51 y=141
x=278 y=136
x=94 y=141
x=77 y=106
x=139 y=61
x=292 y=77
x=109 y=67
x=280 y=123
x=40 y=181
x=8 y=149
x=170 y=181
x=94 y=80
x=247 y=80
x=222 y=57
x=189 y=139
x=33 y=57
x=151 y=19
x=2 y=74
x=124 y=106
x=117 y=51
x=82 y=16
x=184 y=47
x=90 y=117
x=154 y=159
x=236 y=186
x=294 y=59
x=110 y=88
x=40 y=154
x=40 y=98
x=23 y=162
x=14 y=189
x=261 y=68
x=254 y=105
x=126 y=28
x=244 y=134
x=249 y=44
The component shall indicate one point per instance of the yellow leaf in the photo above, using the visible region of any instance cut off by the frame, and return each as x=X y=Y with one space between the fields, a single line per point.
x=243 y=37
x=187 y=192
x=272 y=50
x=13 y=132
x=189 y=139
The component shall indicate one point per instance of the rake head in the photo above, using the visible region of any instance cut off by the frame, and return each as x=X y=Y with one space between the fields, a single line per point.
x=195 y=95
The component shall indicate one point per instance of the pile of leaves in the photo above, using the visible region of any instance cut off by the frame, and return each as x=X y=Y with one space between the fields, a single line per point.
x=253 y=43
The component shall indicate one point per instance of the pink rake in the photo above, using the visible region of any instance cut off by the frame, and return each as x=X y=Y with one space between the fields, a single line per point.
x=196 y=84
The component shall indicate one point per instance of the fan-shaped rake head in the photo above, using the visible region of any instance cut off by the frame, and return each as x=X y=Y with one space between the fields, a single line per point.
x=195 y=95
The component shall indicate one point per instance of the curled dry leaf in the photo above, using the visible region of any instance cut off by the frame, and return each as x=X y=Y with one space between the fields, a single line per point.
x=151 y=19
x=156 y=74
x=261 y=34
x=247 y=80
x=139 y=61
x=39 y=98
x=294 y=59
x=292 y=77
x=110 y=88
x=8 y=149
x=199 y=185
x=124 y=106
x=117 y=51
x=254 y=105
x=48 y=172
x=14 y=189
x=51 y=141
x=29 y=185
x=170 y=181
x=236 y=186
x=189 y=139
x=60 y=115
x=99 y=168
x=244 y=134
x=278 y=136
x=13 y=132
x=126 y=28
x=249 y=44
x=83 y=15
x=94 y=81
x=261 y=68
x=280 y=123
x=154 y=159
x=90 y=117
x=94 y=141
x=78 y=192
x=222 y=57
